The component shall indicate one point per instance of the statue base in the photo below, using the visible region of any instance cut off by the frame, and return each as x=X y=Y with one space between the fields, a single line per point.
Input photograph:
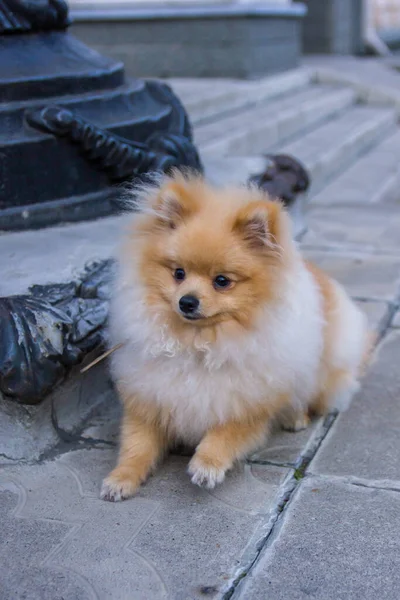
x=71 y=127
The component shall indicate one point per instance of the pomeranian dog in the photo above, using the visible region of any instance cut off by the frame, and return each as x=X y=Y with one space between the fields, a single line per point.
x=224 y=328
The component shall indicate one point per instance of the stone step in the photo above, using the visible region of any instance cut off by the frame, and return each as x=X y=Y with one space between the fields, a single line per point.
x=373 y=179
x=255 y=130
x=207 y=99
x=334 y=146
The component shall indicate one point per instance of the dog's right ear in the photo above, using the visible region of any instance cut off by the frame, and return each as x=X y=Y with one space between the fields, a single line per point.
x=260 y=224
x=174 y=203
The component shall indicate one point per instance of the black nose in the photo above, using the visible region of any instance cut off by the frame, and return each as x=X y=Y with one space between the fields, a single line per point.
x=189 y=304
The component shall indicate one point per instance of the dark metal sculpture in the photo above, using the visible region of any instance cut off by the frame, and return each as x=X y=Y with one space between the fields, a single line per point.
x=119 y=157
x=18 y=16
x=59 y=160
x=284 y=177
x=45 y=333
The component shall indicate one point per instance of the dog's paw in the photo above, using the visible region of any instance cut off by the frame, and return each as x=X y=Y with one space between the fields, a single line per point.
x=205 y=473
x=298 y=424
x=115 y=489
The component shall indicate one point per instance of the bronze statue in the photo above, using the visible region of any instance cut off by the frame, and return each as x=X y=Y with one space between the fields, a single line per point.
x=17 y=16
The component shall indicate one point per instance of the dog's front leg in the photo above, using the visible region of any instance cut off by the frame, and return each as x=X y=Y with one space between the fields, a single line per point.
x=142 y=444
x=223 y=445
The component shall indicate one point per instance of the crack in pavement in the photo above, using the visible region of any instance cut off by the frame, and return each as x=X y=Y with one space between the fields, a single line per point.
x=384 y=485
x=371 y=486
x=285 y=496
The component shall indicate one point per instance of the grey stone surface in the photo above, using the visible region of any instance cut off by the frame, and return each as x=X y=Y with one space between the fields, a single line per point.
x=370 y=77
x=82 y=396
x=333 y=27
x=286 y=447
x=373 y=179
x=365 y=442
x=365 y=275
x=234 y=170
x=173 y=540
x=55 y=254
x=219 y=43
x=207 y=98
x=378 y=313
x=26 y=432
x=349 y=135
x=21 y=540
x=83 y=407
x=269 y=124
x=372 y=229
x=396 y=320
x=338 y=541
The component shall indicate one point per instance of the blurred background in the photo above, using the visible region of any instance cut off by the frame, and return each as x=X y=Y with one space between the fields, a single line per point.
x=188 y=38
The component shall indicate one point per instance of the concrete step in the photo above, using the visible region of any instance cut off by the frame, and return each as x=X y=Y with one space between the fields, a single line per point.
x=206 y=99
x=333 y=147
x=255 y=130
x=373 y=179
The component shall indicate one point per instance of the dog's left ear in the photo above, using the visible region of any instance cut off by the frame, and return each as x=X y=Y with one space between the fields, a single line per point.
x=260 y=223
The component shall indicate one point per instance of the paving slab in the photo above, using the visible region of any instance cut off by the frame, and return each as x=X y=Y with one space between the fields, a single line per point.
x=54 y=254
x=25 y=431
x=364 y=442
x=84 y=405
x=364 y=275
x=286 y=447
x=337 y=541
x=367 y=228
x=378 y=314
x=84 y=396
x=173 y=540
x=396 y=320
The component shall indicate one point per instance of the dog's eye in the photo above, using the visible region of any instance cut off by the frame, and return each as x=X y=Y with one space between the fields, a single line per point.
x=221 y=282
x=179 y=274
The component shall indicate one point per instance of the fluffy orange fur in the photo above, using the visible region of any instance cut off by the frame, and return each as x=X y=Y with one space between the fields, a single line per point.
x=246 y=237
x=215 y=240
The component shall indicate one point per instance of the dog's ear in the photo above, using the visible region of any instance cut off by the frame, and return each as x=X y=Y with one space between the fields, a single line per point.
x=260 y=224
x=174 y=203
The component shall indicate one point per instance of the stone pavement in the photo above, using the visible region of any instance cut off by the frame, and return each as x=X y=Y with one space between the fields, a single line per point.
x=311 y=515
